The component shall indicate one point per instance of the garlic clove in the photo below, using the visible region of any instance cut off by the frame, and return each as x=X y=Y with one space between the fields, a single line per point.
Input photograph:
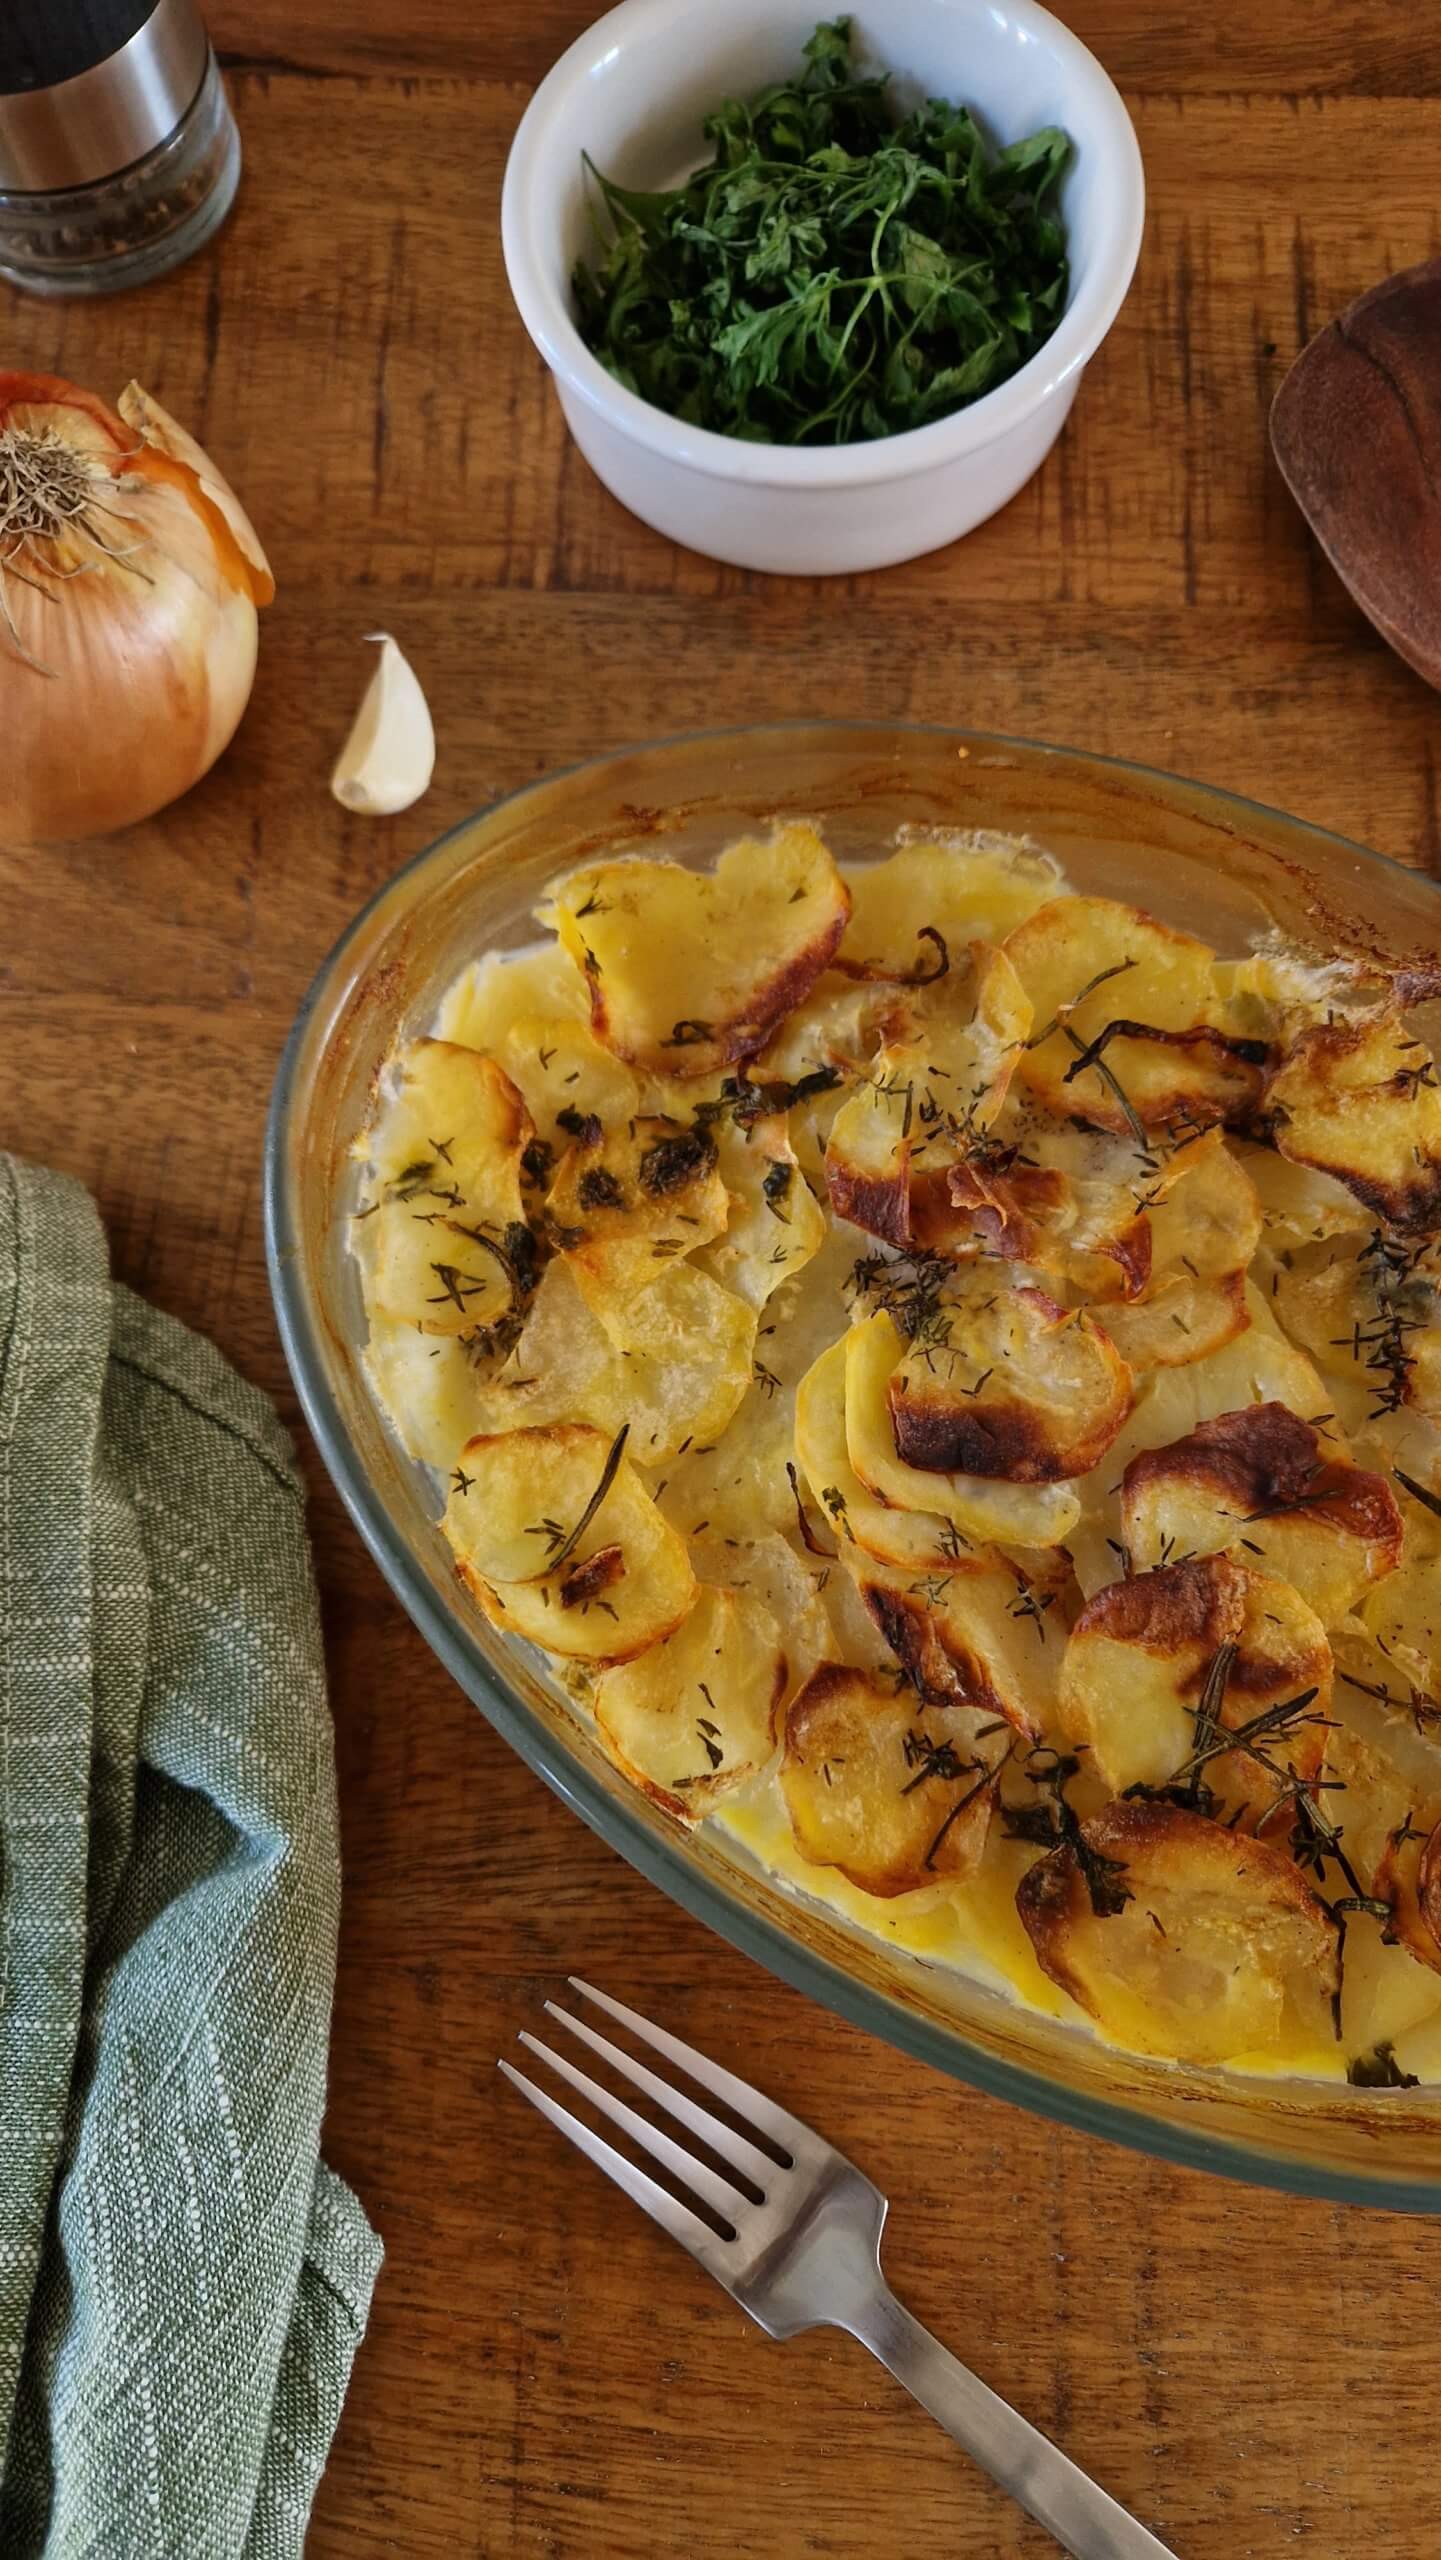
x=389 y=756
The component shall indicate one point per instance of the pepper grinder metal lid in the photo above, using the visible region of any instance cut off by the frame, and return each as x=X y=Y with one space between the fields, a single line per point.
x=113 y=104
x=90 y=86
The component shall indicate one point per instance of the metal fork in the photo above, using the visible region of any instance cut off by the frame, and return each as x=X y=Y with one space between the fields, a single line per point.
x=800 y=2249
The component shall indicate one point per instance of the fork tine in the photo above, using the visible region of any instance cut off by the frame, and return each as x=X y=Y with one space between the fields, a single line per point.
x=719 y=2193
x=666 y=2209
x=761 y=2111
x=756 y=2165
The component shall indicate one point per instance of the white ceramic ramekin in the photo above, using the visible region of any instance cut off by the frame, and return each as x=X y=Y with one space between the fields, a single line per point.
x=633 y=91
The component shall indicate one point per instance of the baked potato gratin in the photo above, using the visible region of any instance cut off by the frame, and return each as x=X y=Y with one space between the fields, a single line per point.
x=948 y=1371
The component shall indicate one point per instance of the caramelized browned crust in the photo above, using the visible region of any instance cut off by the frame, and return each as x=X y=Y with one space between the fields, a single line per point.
x=1001 y=1213
x=1265 y=1462
x=878 y=1203
x=938 y=1666
x=724 y=1044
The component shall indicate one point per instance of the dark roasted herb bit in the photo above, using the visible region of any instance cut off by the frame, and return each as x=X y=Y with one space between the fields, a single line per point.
x=584 y=1126
x=775 y=1188
x=688 y=1034
x=599 y=1189
x=1379 y=2070
x=668 y=1164
x=831 y=274
x=538 y=1163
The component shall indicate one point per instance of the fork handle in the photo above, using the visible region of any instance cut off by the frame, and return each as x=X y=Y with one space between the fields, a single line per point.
x=1044 y=2481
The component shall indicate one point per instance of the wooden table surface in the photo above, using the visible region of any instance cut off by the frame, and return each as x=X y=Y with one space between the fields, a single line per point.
x=544 y=2376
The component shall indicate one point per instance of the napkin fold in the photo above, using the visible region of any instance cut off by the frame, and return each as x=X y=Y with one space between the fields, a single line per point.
x=183 y=2284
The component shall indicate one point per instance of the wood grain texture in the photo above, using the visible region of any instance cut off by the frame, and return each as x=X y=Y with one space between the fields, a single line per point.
x=545 y=2377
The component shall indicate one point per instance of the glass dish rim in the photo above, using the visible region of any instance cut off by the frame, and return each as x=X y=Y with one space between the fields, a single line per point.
x=661 y=1863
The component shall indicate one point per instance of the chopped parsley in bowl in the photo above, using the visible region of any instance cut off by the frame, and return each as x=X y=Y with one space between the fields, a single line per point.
x=832 y=273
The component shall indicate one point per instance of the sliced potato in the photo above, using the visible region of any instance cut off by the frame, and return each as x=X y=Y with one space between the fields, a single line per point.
x=776 y=1223
x=1178 y=1061
x=1257 y=1480
x=1219 y=1946
x=1369 y=1313
x=1357 y=1098
x=896 y=1795
x=1207 y=1221
x=442 y=1240
x=1014 y=1387
x=694 y=1717
x=985 y=1632
x=1410 y=1879
x=990 y=1512
x=1067 y=1201
x=479 y=1007
x=1142 y=1658
x=600 y=1592
x=929 y=1094
x=743 y=944
x=431 y=1388
x=566 y=1076
x=1179 y=1321
x=790 y=1586
x=835 y=1029
x=630 y=1199
x=964 y=888
x=917 y=1540
x=1298 y=1204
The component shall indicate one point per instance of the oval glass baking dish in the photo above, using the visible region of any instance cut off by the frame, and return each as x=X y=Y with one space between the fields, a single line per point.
x=1201 y=859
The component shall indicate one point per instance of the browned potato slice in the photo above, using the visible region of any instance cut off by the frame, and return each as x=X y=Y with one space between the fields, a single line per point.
x=738 y=947
x=1257 y=1480
x=1410 y=1879
x=1176 y=1062
x=929 y=1094
x=836 y=1029
x=896 y=1795
x=694 y=1717
x=1219 y=1945
x=593 y=1580
x=776 y=1223
x=442 y=1238
x=1014 y=1386
x=1181 y=1320
x=917 y=1540
x=566 y=1076
x=989 y=1512
x=1358 y=1098
x=964 y=888
x=984 y=1632
x=628 y=1200
x=1142 y=1660
x=1066 y=1201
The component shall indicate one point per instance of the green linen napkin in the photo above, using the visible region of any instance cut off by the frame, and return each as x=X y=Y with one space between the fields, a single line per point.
x=183 y=2284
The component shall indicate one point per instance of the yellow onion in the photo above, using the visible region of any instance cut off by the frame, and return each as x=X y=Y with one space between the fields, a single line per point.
x=130 y=576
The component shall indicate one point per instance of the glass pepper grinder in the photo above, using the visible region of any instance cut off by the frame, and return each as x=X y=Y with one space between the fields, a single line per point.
x=118 y=151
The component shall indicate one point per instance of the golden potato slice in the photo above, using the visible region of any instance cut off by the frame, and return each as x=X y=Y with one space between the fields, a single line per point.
x=835 y=1030
x=931 y=1093
x=961 y=888
x=1207 y=1220
x=1402 y=1617
x=776 y=1224
x=790 y=1586
x=1369 y=1313
x=480 y=1006
x=566 y=1077
x=630 y=1199
x=917 y=1540
x=442 y=1237
x=896 y=1795
x=694 y=1717
x=1179 y=1321
x=1140 y=1684
x=1090 y=963
x=432 y=1389
x=1011 y=1386
x=1358 y=1098
x=1410 y=1880
x=1066 y=1201
x=984 y=1632
x=674 y=1362
x=559 y=1541
x=1218 y=1946
x=1257 y=1480
x=738 y=947
x=990 y=1512
x=1299 y=1205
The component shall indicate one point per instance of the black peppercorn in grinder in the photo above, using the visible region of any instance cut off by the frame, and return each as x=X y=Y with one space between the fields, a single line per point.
x=118 y=153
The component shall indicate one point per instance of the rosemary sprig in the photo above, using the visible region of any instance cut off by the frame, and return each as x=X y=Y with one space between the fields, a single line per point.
x=570 y=1539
